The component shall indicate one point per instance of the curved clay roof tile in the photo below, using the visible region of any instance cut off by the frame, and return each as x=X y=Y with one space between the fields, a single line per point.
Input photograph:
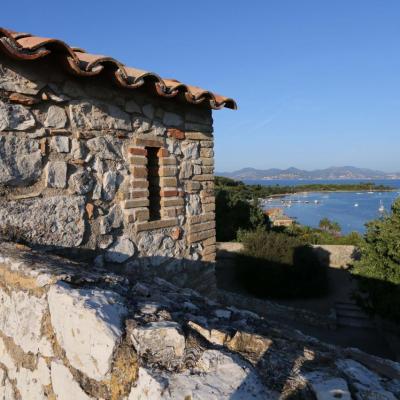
x=24 y=46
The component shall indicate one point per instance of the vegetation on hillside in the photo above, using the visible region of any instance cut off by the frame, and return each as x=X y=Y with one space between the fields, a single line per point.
x=238 y=209
x=261 y=191
x=379 y=267
x=323 y=236
x=235 y=212
x=277 y=265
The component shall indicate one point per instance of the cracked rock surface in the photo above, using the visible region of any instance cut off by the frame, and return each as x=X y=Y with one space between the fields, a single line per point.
x=85 y=333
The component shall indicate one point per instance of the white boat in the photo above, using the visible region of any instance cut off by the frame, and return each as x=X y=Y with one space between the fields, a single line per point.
x=381 y=208
x=355 y=204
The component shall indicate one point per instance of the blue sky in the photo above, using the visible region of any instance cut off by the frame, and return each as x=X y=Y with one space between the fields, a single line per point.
x=317 y=82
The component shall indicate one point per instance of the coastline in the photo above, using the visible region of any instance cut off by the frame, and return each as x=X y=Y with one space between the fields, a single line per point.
x=331 y=191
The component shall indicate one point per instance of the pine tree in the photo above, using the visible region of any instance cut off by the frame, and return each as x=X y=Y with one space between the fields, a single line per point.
x=379 y=267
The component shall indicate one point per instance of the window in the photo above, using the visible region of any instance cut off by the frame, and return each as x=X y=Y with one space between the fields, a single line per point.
x=153 y=166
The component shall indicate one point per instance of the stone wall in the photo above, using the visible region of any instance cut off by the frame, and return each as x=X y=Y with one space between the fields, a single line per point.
x=71 y=332
x=337 y=256
x=74 y=173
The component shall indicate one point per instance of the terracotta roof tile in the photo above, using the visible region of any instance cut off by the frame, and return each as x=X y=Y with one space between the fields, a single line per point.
x=24 y=46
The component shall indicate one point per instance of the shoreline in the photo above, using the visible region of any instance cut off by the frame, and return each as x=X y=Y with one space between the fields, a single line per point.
x=332 y=191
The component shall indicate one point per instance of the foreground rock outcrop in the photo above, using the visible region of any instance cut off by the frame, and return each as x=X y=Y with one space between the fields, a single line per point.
x=70 y=331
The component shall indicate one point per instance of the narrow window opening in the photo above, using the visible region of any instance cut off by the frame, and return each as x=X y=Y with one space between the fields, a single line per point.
x=154 y=183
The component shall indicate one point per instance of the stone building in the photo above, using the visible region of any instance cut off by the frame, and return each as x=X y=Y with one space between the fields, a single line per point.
x=107 y=163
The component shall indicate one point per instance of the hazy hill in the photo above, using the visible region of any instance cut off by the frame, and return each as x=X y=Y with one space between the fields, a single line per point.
x=346 y=172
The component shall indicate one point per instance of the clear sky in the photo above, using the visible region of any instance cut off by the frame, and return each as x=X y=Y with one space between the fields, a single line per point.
x=317 y=82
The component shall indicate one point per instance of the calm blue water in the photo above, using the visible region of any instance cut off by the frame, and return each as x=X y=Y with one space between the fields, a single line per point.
x=337 y=206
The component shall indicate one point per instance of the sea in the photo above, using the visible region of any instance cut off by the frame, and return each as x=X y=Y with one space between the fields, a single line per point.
x=352 y=210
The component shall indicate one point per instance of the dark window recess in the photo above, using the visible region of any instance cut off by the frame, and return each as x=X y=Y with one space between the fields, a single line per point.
x=154 y=183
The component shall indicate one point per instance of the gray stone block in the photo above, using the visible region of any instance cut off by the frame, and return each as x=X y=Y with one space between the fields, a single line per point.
x=56 y=174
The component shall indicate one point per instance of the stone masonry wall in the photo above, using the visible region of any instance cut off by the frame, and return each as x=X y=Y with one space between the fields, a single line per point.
x=74 y=173
x=72 y=332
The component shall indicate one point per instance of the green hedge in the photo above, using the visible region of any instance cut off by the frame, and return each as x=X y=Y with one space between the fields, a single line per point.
x=276 y=265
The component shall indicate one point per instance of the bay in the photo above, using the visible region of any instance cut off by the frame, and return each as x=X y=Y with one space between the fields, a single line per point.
x=352 y=210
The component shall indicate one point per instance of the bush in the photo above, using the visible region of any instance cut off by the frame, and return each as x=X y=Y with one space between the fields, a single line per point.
x=320 y=236
x=277 y=265
x=233 y=213
x=379 y=267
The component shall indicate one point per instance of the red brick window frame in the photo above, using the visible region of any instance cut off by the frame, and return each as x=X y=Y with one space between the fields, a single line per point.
x=157 y=178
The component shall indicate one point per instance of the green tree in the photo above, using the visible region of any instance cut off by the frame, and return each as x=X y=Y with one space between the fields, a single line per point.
x=378 y=269
x=329 y=226
x=324 y=224
x=234 y=213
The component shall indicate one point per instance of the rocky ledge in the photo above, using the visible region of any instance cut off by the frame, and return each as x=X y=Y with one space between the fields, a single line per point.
x=70 y=331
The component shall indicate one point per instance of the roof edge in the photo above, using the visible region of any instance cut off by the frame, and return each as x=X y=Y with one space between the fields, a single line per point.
x=27 y=47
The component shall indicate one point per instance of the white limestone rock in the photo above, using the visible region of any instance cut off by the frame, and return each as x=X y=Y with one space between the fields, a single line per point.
x=64 y=385
x=15 y=117
x=190 y=151
x=88 y=325
x=193 y=206
x=97 y=191
x=161 y=342
x=60 y=144
x=174 y=147
x=326 y=387
x=6 y=389
x=7 y=360
x=158 y=129
x=56 y=174
x=146 y=388
x=56 y=117
x=81 y=182
x=98 y=116
x=20 y=160
x=109 y=185
x=14 y=81
x=197 y=169
x=56 y=220
x=21 y=317
x=186 y=170
x=31 y=384
x=367 y=383
x=219 y=376
x=105 y=147
x=121 y=250
x=112 y=220
x=77 y=149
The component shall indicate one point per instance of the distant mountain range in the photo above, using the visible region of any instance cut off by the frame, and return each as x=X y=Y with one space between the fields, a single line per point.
x=295 y=173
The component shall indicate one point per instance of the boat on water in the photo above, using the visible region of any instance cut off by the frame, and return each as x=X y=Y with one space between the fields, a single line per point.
x=355 y=204
x=381 y=207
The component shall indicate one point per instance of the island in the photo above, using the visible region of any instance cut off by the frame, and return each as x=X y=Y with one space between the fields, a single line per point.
x=263 y=191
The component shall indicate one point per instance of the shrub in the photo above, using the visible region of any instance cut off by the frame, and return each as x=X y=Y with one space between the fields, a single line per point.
x=233 y=212
x=378 y=269
x=320 y=236
x=277 y=265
